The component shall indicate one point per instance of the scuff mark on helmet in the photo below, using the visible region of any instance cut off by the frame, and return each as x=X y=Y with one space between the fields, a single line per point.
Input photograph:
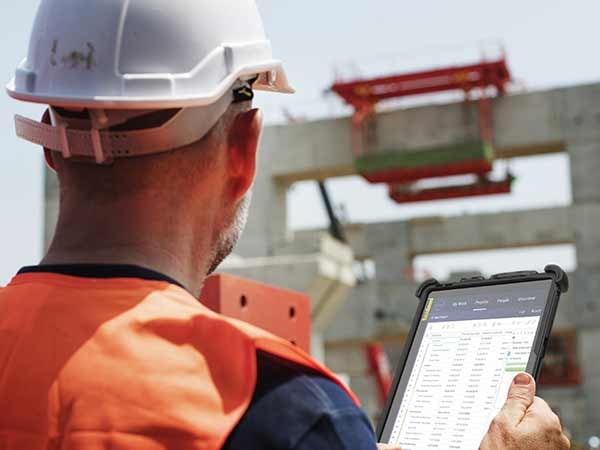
x=53 y=53
x=74 y=59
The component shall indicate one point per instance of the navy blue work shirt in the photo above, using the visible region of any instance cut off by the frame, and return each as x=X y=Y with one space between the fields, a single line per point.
x=296 y=409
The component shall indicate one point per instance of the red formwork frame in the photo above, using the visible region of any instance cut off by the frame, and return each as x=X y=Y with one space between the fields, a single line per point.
x=282 y=312
x=415 y=174
x=481 y=188
x=365 y=94
x=380 y=368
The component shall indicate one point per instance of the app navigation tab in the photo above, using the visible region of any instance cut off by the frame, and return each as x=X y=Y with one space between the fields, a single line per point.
x=486 y=303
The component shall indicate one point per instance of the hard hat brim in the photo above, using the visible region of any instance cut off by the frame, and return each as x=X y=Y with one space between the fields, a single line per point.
x=272 y=78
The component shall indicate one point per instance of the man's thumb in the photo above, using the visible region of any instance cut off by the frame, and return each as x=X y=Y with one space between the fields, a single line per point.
x=520 y=397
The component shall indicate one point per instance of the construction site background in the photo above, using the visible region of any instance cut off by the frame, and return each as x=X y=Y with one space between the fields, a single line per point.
x=403 y=227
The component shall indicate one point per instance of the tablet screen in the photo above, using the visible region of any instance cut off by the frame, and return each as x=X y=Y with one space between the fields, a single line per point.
x=469 y=345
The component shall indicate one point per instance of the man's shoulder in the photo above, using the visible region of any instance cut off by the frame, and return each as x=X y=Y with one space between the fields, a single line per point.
x=278 y=374
x=292 y=402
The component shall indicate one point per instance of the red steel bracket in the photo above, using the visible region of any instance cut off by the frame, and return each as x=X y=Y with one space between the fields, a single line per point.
x=284 y=313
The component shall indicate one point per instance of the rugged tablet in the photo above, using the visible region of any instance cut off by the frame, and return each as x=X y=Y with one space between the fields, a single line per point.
x=467 y=343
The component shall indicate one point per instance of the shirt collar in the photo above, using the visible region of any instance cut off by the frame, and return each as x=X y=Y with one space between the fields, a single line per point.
x=102 y=271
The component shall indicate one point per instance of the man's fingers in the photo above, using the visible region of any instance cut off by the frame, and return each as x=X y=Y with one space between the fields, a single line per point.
x=525 y=421
x=520 y=398
x=541 y=413
x=565 y=443
x=539 y=407
x=387 y=447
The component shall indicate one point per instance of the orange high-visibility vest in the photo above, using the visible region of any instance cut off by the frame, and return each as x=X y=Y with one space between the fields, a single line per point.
x=123 y=364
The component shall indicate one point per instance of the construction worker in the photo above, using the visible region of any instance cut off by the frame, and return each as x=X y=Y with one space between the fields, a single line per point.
x=103 y=345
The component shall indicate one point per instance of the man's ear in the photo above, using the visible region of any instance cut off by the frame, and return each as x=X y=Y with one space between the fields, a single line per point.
x=243 y=141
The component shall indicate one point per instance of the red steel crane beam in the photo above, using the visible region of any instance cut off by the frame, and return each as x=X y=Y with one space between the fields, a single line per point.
x=364 y=94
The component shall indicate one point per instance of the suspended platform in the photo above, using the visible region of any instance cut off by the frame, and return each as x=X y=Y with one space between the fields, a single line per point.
x=483 y=187
x=405 y=166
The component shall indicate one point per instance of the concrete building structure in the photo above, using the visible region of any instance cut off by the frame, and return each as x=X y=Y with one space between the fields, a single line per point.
x=380 y=309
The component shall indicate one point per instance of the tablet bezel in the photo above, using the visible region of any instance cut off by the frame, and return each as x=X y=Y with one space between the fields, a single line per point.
x=559 y=285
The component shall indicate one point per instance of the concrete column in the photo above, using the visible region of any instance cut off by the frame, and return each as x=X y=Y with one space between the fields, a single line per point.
x=391 y=250
x=585 y=167
x=585 y=171
x=355 y=321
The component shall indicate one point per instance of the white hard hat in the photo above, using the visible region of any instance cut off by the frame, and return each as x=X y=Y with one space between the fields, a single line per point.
x=108 y=55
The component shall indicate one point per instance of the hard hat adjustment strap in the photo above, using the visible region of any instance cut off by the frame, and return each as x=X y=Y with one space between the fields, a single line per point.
x=99 y=155
x=62 y=132
x=64 y=140
x=186 y=127
x=99 y=121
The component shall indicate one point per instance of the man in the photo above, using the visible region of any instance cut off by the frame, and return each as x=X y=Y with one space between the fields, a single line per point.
x=154 y=140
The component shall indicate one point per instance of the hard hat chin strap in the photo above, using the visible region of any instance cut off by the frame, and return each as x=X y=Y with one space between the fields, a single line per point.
x=101 y=146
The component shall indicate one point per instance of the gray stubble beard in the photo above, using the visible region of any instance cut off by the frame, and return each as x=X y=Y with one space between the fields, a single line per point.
x=228 y=239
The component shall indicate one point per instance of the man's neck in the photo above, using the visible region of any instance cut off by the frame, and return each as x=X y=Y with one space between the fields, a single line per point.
x=133 y=256
x=123 y=234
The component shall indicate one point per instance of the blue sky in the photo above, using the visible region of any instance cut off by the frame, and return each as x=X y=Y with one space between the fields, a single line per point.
x=549 y=43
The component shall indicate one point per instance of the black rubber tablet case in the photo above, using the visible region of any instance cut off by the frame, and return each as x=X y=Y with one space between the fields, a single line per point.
x=553 y=272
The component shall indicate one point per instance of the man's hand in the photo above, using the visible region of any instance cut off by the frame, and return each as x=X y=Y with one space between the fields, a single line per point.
x=387 y=447
x=526 y=422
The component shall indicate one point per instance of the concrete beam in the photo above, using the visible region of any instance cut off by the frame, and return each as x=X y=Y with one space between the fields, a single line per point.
x=525 y=124
x=489 y=231
x=383 y=311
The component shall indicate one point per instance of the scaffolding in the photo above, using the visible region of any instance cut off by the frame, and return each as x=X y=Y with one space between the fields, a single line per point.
x=478 y=82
